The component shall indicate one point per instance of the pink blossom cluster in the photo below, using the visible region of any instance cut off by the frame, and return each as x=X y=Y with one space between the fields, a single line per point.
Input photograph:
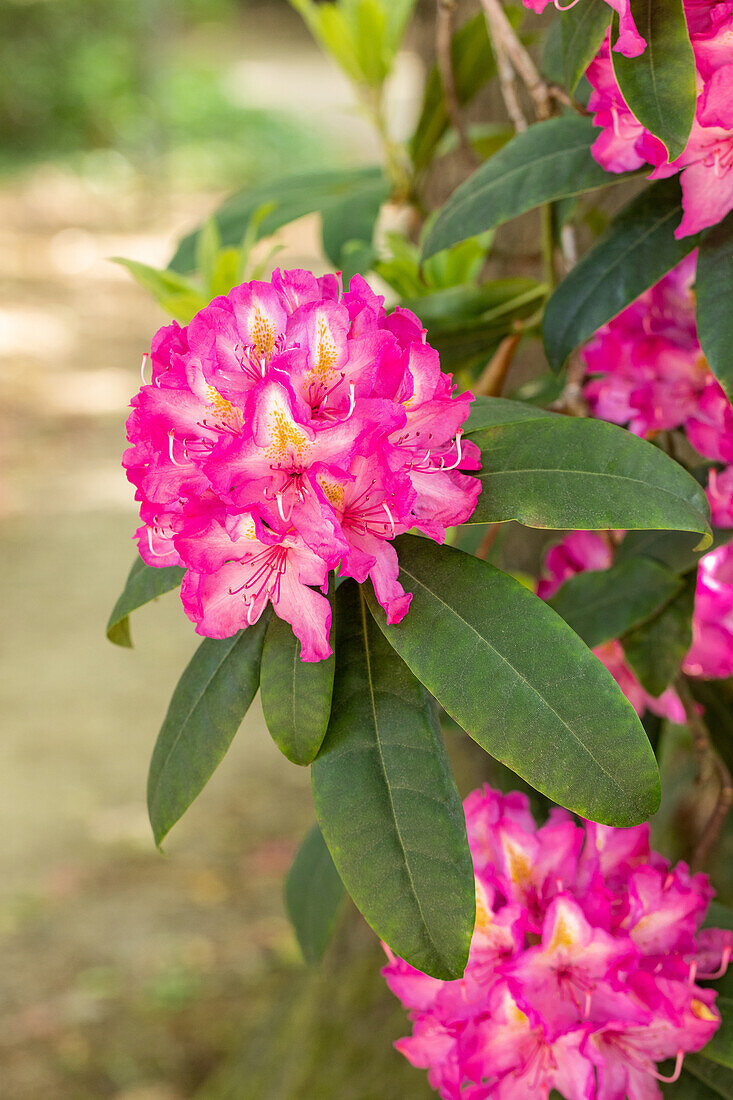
x=292 y=428
x=706 y=165
x=711 y=653
x=584 y=965
x=629 y=41
x=648 y=372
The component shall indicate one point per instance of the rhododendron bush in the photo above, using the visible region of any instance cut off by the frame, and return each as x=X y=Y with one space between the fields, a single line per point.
x=339 y=469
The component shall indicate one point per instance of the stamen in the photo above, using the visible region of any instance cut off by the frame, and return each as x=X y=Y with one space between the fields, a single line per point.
x=566 y=7
x=677 y=1070
x=143 y=365
x=352 y=400
x=389 y=517
x=586 y=1010
x=693 y=972
x=279 y=499
x=725 y=961
x=170 y=449
x=459 y=452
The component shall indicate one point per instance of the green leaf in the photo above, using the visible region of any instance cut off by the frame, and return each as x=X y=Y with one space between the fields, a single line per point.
x=702 y=1072
x=351 y=220
x=656 y=649
x=507 y=668
x=713 y=290
x=690 y=1087
x=209 y=702
x=488 y=412
x=638 y=248
x=289 y=198
x=583 y=28
x=473 y=66
x=387 y=803
x=143 y=584
x=296 y=695
x=549 y=161
x=604 y=604
x=574 y=473
x=675 y=549
x=660 y=85
x=314 y=896
x=178 y=296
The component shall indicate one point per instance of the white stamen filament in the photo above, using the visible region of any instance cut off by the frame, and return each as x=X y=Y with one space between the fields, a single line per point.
x=143 y=365
x=677 y=1070
x=725 y=961
x=459 y=453
x=389 y=517
x=170 y=450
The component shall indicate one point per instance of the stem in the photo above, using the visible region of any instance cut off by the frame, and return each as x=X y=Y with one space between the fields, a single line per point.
x=707 y=757
x=496 y=25
x=444 y=54
x=487 y=542
x=395 y=157
x=491 y=382
x=507 y=42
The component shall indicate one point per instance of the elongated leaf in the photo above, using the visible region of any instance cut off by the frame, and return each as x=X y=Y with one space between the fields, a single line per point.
x=287 y=199
x=208 y=705
x=720 y=1047
x=656 y=649
x=473 y=66
x=507 y=668
x=675 y=549
x=604 y=604
x=713 y=291
x=487 y=412
x=314 y=896
x=660 y=85
x=143 y=584
x=551 y=160
x=570 y=472
x=583 y=28
x=387 y=803
x=350 y=221
x=718 y=1079
x=296 y=695
x=637 y=250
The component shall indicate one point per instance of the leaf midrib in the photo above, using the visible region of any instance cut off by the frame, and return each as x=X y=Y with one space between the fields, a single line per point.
x=519 y=675
x=368 y=662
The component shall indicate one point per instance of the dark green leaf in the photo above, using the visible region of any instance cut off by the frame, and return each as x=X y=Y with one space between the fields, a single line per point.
x=636 y=251
x=314 y=895
x=387 y=803
x=700 y=1070
x=296 y=695
x=689 y=1087
x=487 y=412
x=583 y=28
x=719 y=916
x=211 y=699
x=352 y=220
x=713 y=291
x=660 y=85
x=473 y=66
x=603 y=604
x=720 y=1047
x=570 y=472
x=289 y=198
x=143 y=584
x=676 y=549
x=657 y=649
x=522 y=684
x=549 y=161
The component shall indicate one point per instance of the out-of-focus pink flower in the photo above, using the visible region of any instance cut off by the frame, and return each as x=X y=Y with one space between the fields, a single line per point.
x=711 y=654
x=584 y=965
x=706 y=165
x=576 y=553
x=289 y=429
x=629 y=41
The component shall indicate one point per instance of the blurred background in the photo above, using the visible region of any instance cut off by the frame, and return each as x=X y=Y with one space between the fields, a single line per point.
x=127 y=973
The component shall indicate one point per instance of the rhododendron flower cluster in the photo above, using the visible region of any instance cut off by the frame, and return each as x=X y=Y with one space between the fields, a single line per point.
x=648 y=372
x=288 y=430
x=711 y=653
x=707 y=161
x=629 y=41
x=584 y=965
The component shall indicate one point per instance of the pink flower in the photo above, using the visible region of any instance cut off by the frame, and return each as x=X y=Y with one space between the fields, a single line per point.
x=288 y=430
x=629 y=42
x=711 y=654
x=584 y=965
x=706 y=165
x=583 y=550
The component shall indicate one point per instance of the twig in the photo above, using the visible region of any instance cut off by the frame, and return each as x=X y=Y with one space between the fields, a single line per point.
x=492 y=380
x=706 y=756
x=487 y=542
x=495 y=22
x=507 y=42
x=444 y=54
